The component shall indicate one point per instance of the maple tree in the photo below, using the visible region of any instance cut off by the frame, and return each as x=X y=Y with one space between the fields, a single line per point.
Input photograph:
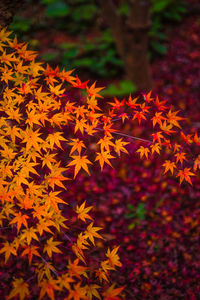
x=50 y=131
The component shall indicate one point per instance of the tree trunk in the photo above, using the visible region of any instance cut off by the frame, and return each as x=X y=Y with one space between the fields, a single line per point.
x=136 y=45
x=131 y=38
x=8 y=9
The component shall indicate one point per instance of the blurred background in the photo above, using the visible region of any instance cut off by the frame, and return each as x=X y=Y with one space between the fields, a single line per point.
x=114 y=42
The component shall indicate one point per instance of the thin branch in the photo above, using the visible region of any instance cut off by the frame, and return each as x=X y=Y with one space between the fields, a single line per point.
x=44 y=260
x=133 y=137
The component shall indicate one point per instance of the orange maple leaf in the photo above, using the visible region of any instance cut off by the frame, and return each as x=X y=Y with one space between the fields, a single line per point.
x=169 y=166
x=8 y=249
x=91 y=232
x=113 y=257
x=79 y=162
x=82 y=212
x=19 y=219
x=111 y=293
x=103 y=157
x=185 y=175
x=20 y=287
x=30 y=251
x=143 y=151
x=50 y=247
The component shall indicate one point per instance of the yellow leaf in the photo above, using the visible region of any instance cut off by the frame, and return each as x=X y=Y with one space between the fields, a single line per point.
x=20 y=287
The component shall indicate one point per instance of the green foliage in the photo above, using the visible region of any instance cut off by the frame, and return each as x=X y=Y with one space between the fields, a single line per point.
x=124 y=87
x=137 y=213
x=21 y=24
x=163 y=12
x=94 y=50
x=57 y=9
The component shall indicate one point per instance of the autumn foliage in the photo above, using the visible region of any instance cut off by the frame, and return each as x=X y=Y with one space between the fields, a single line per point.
x=54 y=126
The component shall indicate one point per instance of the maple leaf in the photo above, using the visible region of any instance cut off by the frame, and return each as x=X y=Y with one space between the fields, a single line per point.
x=79 y=84
x=185 y=175
x=169 y=165
x=8 y=249
x=111 y=293
x=7 y=58
x=144 y=108
x=132 y=102
x=117 y=104
x=55 y=138
x=82 y=212
x=196 y=163
x=29 y=234
x=65 y=280
x=93 y=91
x=166 y=128
x=51 y=247
x=176 y=147
x=28 y=167
x=66 y=75
x=180 y=156
x=106 y=266
x=43 y=225
x=157 y=136
x=79 y=162
x=4 y=35
x=13 y=132
x=91 y=232
x=8 y=153
x=52 y=200
x=91 y=290
x=80 y=125
x=139 y=115
x=187 y=138
x=77 y=293
x=119 y=146
x=6 y=74
x=43 y=270
x=113 y=257
x=48 y=159
x=56 y=90
x=80 y=111
x=32 y=118
x=79 y=252
x=55 y=177
x=160 y=104
x=30 y=251
x=105 y=143
x=123 y=116
x=92 y=103
x=157 y=118
x=82 y=241
x=147 y=97
x=14 y=114
x=173 y=119
x=76 y=270
x=32 y=139
x=103 y=158
x=20 y=287
x=48 y=286
x=108 y=130
x=101 y=275
x=76 y=145
x=155 y=148
x=197 y=139
x=35 y=68
x=143 y=151
x=19 y=219
x=20 y=68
